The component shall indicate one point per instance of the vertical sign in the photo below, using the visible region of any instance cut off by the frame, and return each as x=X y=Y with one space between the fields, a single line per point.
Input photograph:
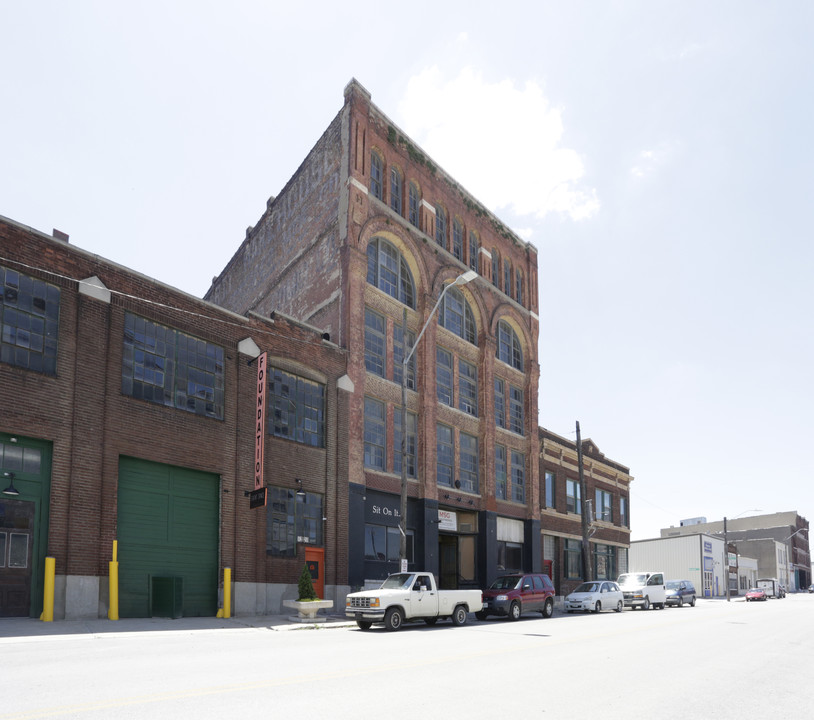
x=260 y=424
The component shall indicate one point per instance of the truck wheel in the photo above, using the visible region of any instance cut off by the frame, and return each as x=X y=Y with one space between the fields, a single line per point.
x=363 y=624
x=459 y=616
x=514 y=611
x=393 y=619
x=548 y=608
x=619 y=606
x=646 y=604
x=430 y=621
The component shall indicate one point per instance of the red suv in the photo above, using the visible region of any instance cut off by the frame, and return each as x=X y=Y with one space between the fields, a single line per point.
x=512 y=595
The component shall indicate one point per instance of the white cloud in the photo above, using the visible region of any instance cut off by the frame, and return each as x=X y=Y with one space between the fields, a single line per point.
x=649 y=161
x=503 y=142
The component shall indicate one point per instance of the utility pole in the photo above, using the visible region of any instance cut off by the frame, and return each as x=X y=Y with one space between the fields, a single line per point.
x=587 y=567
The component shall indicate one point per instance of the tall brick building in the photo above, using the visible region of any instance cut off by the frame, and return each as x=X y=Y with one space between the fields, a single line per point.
x=129 y=414
x=369 y=228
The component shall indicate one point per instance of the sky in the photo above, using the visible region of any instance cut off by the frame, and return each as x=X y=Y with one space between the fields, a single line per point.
x=657 y=154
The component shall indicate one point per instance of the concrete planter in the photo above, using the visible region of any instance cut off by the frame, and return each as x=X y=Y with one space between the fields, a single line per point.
x=307 y=610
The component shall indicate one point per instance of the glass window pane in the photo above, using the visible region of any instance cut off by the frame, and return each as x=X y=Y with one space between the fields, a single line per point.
x=18 y=550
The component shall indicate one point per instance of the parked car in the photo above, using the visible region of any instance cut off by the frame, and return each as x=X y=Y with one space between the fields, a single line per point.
x=594 y=596
x=811 y=588
x=643 y=589
x=756 y=594
x=512 y=595
x=680 y=592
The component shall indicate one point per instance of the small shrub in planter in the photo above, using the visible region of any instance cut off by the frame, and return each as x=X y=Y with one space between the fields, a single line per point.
x=305 y=587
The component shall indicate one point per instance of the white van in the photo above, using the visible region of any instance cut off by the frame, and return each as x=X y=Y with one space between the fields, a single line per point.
x=643 y=589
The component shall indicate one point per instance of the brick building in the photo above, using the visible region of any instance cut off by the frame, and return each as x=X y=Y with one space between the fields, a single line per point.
x=129 y=415
x=370 y=231
x=607 y=490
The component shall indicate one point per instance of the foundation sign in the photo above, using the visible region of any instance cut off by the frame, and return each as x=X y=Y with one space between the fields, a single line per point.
x=258 y=496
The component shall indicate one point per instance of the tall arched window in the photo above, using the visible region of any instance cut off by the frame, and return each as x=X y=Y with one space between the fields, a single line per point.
x=376 y=175
x=415 y=201
x=456 y=316
x=458 y=239
x=388 y=270
x=441 y=226
x=495 y=268
x=474 y=249
x=395 y=190
x=508 y=346
x=518 y=286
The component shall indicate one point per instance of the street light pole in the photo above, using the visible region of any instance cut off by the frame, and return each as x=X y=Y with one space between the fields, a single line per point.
x=462 y=279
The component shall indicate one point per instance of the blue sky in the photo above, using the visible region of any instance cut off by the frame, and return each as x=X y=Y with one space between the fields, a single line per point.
x=657 y=154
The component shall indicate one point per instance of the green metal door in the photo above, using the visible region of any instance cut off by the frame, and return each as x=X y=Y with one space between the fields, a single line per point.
x=167 y=529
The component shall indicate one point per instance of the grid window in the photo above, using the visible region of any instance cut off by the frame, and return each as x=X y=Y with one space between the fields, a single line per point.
x=573 y=559
x=604 y=506
x=376 y=175
x=469 y=463
x=441 y=226
x=415 y=201
x=604 y=562
x=573 y=496
x=29 y=322
x=445 y=456
x=375 y=438
x=398 y=356
x=296 y=408
x=443 y=376
x=458 y=240
x=395 y=190
x=515 y=410
x=170 y=368
x=456 y=316
x=500 y=403
x=411 y=449
x=474 y=248
x=16 y=458
x=518 y=476
x=549 y=490
x=388 y=271
x=500 y=472
x=508 y=346
x=375 y=344
x=467 y=388
x=292 y=518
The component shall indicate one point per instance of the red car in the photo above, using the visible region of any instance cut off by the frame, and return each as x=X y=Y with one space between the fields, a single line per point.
x=756 y=594
x=512 y=595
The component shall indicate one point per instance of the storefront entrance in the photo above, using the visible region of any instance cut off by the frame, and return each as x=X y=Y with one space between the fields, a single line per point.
x=448 y=562
x=16 y=556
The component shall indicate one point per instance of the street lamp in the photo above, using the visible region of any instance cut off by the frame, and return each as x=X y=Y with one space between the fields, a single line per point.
x=462 y=279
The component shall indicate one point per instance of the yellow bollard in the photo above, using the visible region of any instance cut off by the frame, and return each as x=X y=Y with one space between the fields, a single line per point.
x=113 y=580
x=48 y=594
x=227 y=592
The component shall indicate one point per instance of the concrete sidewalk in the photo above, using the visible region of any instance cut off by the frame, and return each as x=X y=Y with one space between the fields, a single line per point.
x=15 y=629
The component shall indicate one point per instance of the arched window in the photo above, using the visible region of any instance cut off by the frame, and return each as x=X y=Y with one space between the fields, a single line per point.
x=518 y=286
x=495 y=268
x=507 y=277
x=458 y=240
x=474 y=249
x=395 y=190
x=456 y=316
x=441 y=226
x=376 y=175
x=508 y=346
x=415 y=201
x=388 y=270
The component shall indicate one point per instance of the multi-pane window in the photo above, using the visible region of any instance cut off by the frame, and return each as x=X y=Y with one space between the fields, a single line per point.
x=171 y=368
x=388 y=271
x=508 y=346
x=444 y=456
x=507 y=278
x=604 y=506
x=456 y=316
x=623 y=512
x=375 y=435
x=398 y=356
x=604 y=562
x=296 y=408
x=444 y=376
x=518 y=476
x=29 y=322
x=518 y=286
x=16 y=458
x=467 y=388
x=458 y=240
x=495 y=268
x=293 y=518
x=500 y=472
x=500 y=403
x=375 y=343
x=441 y=226
x=573 y=559
x=411 y=448
x=376 y=176
x=469 y=463
x=515 y=410
x=414 y=200
x=395 y=190
x=473 y=250
x=549 y=496
x=573 y=496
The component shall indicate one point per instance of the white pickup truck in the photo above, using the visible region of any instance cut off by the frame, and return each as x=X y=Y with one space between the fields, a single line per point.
x=405 y=597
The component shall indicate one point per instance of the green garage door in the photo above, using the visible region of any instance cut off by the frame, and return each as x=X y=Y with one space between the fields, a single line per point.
x=168 y=540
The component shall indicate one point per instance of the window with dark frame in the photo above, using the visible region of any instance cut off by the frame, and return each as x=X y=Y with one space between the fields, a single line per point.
x=445 y=456
x=573 y=559
x=296 y=408
x=495 y=268
x=549 y=497
x=414 y=200
x=376 y=175
x=500 y=472
x=396 y=190
x=375 y=434
x=441 y=226
x=468 y=463
x=467 y=388
x=455 y=315
x=458 y=240
x=474 y=249
x=604 y=507
x=444 y=387
x=518 y=476
x=500 y=403
x=573 y=496
x=508 y=346
x=515 y=410
x=293 y=519
x=388 y=271
x=375 y=343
